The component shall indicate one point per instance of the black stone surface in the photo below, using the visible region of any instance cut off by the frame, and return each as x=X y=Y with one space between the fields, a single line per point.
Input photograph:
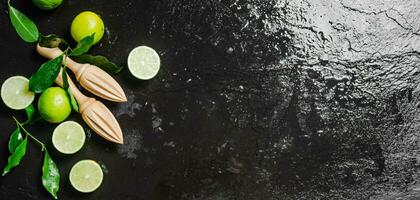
x=256 y=99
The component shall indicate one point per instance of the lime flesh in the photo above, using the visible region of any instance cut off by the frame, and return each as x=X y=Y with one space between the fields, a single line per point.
x=86 y=176
x=68 y=137
x=143 y=62
x=15 y=93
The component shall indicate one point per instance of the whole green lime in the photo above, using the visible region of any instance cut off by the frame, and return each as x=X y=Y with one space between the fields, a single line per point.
x=47 y=4
x=54 y=105
x=86 y=24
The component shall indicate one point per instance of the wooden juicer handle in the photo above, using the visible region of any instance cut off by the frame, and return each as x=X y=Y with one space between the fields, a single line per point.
x=91 y=77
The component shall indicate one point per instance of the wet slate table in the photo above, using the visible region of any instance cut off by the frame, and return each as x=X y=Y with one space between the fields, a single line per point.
x=256 y=99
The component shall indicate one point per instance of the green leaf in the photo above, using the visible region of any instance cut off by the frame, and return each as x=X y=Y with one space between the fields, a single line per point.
x=24 y=26
x=50 y=41
x=16 y=156
x=30 y=112
x=99 y=61
x=83 y=46
x=73 y=101
x=15 y=140
x=50 y=175
x=64 y=77
x=45 y=75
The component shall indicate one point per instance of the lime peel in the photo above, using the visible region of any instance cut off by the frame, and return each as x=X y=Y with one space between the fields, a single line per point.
x=85 y=24
x=54 y=105
x=47 y=4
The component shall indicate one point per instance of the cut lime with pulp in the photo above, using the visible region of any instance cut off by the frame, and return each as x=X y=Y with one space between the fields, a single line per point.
x=68 y=137
x=15 y=93
x=143 y=62
x=86 y=176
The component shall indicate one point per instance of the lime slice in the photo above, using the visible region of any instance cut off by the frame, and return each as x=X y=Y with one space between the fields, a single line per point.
x=86 y=176
x=68 y=137
x=143 y=62
x=15 y=93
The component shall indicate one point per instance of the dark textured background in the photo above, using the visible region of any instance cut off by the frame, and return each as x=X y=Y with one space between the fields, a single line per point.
x=256 y=99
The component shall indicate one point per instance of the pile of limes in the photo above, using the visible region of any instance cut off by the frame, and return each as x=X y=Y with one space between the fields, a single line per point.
x=68 y=137
x=54 y=105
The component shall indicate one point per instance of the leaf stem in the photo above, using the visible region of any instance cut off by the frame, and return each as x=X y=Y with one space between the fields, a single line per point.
x=65 y=60
x=66 y=56
x=30 y=135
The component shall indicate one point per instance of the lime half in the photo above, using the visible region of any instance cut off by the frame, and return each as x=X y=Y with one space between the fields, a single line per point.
x=15 y=93
x=68 y=137
x=143 y=62
x=86 y=176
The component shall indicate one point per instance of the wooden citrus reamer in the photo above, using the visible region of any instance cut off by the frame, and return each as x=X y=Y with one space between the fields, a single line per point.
x=92 y=78
x=96 y=115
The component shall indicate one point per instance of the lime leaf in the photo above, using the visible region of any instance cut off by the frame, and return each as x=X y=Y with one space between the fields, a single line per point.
x=83 y=46
x=30 y=112
x=99 y=61
x=15 y=139
x=73 y=101
x=16 y=156
x=50 y=175
x=64 y=77
x=24 y=26
x=50 y=41
x=45 y=75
